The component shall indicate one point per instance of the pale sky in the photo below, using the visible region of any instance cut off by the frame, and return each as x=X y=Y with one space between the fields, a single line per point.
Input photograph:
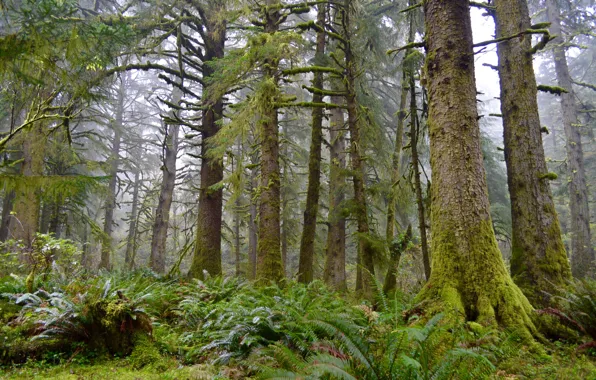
x=487 y=79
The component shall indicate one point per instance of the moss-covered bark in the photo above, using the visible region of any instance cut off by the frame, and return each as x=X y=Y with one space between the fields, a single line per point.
x=583 y=256
x=469 y=278
x=365 y=248
x=269 y=265
x=307 y=242
x=539 y=262
x=334 y=274
x=207 y=252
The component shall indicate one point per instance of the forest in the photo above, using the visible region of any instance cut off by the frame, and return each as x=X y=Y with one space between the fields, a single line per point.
x=298 y=189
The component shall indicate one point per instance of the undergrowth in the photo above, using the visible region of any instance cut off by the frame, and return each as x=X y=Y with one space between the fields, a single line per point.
x=230 y=329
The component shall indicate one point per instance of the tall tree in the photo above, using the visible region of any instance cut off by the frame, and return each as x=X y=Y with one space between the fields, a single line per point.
x=307 y=244
x=157 y=258
x=269 y=265
x=469 y=277
x=582 y=253
x=114 y=163
x=131 y=241
x=539 y=262
x=335 y=262
x=207 y=254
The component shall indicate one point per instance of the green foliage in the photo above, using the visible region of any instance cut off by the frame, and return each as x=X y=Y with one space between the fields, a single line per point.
x=233 y=319
x=46 y=255
x=406 y=353
x=579 y=311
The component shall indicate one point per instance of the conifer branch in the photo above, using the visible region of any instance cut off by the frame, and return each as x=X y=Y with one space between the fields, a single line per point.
x=586 y=85
x=517 y=35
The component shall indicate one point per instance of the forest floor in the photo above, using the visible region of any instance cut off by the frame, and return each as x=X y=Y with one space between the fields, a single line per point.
x=139 y=326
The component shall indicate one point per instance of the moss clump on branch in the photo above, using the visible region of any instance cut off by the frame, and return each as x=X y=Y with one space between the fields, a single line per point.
x=549 y=176
x=555 y=90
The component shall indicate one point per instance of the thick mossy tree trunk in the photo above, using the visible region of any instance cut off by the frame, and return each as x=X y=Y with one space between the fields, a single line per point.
x=269 y=265
x=582 y=253
x=207 y=253
x=307 y=243
x=538 y=263
x=334 y=274
x=131 y=240
x=24 y=221
x=469 y=277
x=114 y=161
x=420 y=204
x=159 y=236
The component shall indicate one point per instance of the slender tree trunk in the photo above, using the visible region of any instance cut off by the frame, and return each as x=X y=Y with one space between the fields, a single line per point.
x=159 y=237
x=396 y=160
x=399 y=137
x=131 y=241
x=538 y=263
x=237 y=237
x=269 y=265
x=365 y=248
x=469 y=277
x=46 y=216
x=307 y=243
x=57 y=218
x=106 y=247
x=207 y=254
x=25 y=219
x=414 y=134
x=581 y=245
x=252 y=222
x=7 y=205
x=285 y=188
x=335 y=263
x=396 y=250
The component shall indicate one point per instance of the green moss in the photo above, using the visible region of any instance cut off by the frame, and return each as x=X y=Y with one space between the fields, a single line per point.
x=481 y=290
x=146 y=354
x=550 y=176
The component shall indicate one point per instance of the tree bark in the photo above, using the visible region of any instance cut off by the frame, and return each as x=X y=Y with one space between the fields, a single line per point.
x=252 y=222
x=582 y=253
x=365 y=248
x=307 y=243
x=414 y=134
x=207 y=253
x=114 y=160
x=469 y=277
x=396 y=249
x=159 y=237
x=335 y=263
x=538 y=262
x=131 y=241
x=7 y=205
x=269 y=265
x=26 y=210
